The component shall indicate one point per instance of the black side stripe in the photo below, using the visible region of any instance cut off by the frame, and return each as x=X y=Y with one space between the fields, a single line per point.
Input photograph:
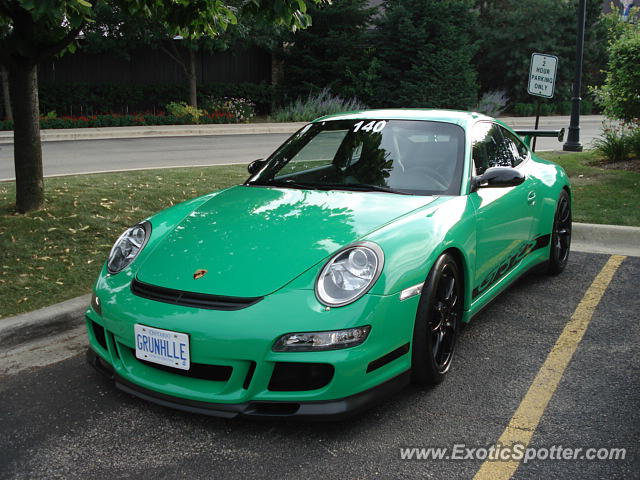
x=499 y=272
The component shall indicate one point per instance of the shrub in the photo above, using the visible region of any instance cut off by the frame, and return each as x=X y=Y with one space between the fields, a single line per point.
x=524 y=109
x=119 y=120
x=620 y=95
x=546 y=109
x=314 y=106
x=238 y=110
x=493 y=103
x=182 y=110
x=615 y=144
x=586 y=107
x=564 y=107
x=83 y=99
x=634 y=141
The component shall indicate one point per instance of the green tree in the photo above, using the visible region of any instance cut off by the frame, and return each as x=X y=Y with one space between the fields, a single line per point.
x=424 y=52
x=330 y=52
x=117 y=31
x=511 y=30
x=34 y=30
x=620 y=94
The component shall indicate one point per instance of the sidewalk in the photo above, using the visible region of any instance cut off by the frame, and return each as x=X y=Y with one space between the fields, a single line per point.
x=6 y=137
x=101 y=133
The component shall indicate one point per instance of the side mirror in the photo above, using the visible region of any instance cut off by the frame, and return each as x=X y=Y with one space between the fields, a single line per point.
x=255 y=166
x=497 y=177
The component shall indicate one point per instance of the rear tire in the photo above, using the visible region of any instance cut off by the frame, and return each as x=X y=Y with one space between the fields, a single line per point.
x=560 y=236
x=437 y=322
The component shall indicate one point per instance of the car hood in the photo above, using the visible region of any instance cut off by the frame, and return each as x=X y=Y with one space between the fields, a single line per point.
x=254 y=240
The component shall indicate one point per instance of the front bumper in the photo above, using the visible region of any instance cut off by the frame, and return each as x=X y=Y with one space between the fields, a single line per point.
x=323 y=410
x=234 y=370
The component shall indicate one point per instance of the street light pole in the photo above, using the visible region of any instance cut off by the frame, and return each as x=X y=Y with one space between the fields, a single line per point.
x=573 y=137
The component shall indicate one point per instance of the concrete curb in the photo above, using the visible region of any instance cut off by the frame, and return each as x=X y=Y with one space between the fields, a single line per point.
x=56 y=319
x=611 y=239
x=104 y=133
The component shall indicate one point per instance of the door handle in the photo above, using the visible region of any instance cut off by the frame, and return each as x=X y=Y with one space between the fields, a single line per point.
x=531 y=198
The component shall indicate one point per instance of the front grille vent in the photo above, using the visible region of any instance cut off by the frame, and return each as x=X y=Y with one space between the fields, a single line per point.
x=191 y=299
x=203 y=371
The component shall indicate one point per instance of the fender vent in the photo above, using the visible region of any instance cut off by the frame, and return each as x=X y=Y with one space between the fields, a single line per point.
x=191 y=299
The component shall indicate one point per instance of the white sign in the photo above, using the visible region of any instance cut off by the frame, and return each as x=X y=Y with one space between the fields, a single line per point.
x=542 y=75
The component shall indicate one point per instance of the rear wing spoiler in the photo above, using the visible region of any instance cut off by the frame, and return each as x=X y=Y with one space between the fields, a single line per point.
x=528 y=135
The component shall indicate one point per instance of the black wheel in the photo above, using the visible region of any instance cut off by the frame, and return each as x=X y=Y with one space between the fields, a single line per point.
x=437 y=322
x=560 y=236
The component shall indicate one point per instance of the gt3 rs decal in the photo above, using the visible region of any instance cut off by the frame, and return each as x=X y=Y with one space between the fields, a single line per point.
x=500 y=271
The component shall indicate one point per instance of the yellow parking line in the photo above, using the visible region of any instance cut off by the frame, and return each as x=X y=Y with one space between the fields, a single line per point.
x=526 y=418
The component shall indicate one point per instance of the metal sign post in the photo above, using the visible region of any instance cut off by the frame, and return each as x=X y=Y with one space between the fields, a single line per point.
x=542 y=80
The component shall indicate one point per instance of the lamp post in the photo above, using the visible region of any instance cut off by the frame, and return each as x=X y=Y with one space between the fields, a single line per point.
x=573 y=137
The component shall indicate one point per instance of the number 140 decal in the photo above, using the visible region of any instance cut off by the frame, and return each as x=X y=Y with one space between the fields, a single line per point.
x=370 y=127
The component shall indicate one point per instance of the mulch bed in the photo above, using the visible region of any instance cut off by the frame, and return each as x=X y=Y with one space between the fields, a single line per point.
x=632 y=165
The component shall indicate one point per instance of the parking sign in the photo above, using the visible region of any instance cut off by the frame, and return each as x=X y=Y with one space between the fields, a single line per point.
x=542 y=75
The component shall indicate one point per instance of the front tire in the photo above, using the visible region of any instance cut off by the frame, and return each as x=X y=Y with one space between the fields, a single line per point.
x=437 y=322
x=561 y=235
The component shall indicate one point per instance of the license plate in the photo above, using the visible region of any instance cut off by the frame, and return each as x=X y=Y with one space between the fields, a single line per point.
x=162 y=346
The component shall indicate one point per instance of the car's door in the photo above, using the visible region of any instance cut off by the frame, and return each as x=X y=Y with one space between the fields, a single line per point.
x=535 y=191
x=503 y=217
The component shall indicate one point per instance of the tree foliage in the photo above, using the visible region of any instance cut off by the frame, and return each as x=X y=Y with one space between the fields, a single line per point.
x=418 y=54
x=424 y=51
x=511 y=30
x=330 y=52
x=34 y=30
x=117 y=30
x=620 y=94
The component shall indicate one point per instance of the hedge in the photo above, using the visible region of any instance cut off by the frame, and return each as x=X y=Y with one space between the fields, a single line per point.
x=557 y=108
x=117 y=120
x=84 y=99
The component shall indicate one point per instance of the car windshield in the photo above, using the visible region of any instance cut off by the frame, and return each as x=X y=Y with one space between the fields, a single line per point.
x=398 y=156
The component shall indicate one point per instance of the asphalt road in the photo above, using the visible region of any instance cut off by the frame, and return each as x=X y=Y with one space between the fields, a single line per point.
x=66 y=421
x=87 y=156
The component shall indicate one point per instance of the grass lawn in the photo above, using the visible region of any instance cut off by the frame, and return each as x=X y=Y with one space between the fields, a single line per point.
x=600 y=195
x=55 y=254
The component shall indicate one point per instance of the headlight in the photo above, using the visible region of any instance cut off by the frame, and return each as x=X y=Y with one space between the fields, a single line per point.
x=321 y=341
x=128 y=246
x=349 y=274
x=95 y=303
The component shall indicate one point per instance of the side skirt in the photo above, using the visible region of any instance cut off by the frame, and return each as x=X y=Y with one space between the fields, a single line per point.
x=529 y=264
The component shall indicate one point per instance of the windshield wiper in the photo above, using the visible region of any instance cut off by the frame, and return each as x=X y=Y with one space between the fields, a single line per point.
x=283 y=183
x=361 y=187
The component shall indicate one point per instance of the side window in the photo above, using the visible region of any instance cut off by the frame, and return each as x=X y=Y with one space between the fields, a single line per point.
x=515 y=146
x=488 y=148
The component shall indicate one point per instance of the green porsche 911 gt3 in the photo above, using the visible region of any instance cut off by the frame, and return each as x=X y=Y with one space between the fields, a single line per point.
x=340 y=271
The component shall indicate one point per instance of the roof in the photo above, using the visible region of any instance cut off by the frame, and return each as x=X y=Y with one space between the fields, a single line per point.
x=451 y=116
